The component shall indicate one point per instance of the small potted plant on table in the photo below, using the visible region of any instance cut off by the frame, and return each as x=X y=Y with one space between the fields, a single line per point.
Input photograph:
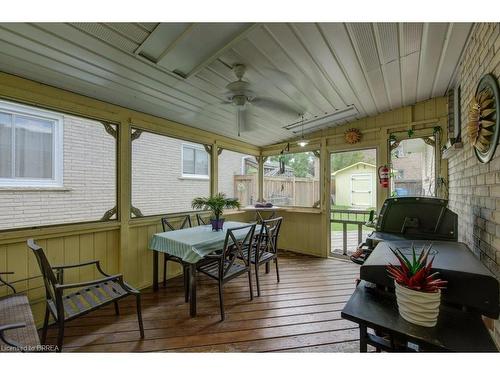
x=216 y=204
x=418 y=290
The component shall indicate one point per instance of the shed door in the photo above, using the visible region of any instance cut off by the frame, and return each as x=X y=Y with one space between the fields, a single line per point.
x=361 y=190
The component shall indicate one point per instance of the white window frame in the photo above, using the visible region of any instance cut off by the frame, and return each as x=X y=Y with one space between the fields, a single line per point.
x=192 y=175
x=57 y=151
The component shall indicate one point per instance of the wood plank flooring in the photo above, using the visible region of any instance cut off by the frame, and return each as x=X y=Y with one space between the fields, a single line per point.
x=300 y=314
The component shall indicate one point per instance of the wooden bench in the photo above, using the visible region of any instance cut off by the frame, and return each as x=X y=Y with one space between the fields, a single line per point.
x=17 y=326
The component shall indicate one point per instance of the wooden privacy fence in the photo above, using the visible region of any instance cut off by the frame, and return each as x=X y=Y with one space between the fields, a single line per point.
x=289 y=191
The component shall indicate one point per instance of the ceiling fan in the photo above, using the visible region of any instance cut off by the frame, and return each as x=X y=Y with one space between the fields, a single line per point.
x=243 y=98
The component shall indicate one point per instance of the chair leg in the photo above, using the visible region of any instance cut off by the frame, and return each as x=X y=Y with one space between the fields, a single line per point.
x=221 y=301
x=268 y=268
x=186 y=283
x=277 y=269
x=257 y=278
x=165 y=271
x=250 y=283
x=45 y=324
x=117 y=308
x=139 y=315
x=60 y=335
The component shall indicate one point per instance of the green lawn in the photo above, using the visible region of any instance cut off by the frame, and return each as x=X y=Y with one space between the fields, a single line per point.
x=338 y=226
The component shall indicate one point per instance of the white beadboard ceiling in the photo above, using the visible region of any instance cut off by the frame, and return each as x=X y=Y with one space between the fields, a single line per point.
x=179 y=70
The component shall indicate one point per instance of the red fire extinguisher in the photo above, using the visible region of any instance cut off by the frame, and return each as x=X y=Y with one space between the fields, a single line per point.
x=383 y=176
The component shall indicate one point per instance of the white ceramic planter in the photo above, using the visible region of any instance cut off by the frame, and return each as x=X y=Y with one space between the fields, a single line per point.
x=416 y=307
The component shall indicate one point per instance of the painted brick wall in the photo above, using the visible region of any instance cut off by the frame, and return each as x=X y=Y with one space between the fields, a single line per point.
x=89 y=182
x=474 y=188
x=90 y=179
x=157 y=183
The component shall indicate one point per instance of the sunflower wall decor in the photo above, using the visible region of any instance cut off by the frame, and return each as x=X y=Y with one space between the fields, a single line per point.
x=483 y=127
x=352 y=136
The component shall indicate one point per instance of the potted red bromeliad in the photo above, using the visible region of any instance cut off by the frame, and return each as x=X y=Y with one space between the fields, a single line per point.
x=418 y=290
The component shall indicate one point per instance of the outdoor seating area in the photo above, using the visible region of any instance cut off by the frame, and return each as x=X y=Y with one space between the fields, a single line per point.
x=249 y=187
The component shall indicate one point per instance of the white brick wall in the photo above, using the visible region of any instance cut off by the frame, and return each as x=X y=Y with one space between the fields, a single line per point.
x=90 y=179
x=157 y=183
x=474 y=188
x=89 y=182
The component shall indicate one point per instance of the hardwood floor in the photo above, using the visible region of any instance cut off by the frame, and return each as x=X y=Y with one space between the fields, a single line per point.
x=300 y=314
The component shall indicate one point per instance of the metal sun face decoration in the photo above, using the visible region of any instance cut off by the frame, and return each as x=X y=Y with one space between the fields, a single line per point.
x=352 y=136
x=483 y=127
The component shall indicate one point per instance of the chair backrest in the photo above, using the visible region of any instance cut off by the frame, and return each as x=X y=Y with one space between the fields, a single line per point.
x=268 y=236
x=237 y=248
x=48 y=275
x=2 y=281
x=201 y=220
x=167 y=222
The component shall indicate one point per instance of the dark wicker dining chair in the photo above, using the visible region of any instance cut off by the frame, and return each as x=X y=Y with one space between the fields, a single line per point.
x=265 y=248
x=230 y=263
x=174 y=223
x=90 y=296
x=200 y=220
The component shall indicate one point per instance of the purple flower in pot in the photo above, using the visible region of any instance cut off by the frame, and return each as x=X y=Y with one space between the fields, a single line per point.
x=216 y=204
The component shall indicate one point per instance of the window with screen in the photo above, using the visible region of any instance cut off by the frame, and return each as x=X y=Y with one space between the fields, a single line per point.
x=30 y=146
x=238 y=176
x=54 y=168
x=194 y=161
x=292 y=179
x=167 y=173
x=413 y=171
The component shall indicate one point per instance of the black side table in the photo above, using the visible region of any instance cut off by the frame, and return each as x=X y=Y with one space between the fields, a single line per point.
x=456 y=330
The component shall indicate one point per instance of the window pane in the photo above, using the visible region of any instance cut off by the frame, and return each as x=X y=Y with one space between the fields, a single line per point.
x=238 y=176
x=297 y=184
x=201 y=166
x=34 y=147
x=158 y=185
x=188 y=160
x=88 y=170
x=5 y=145
x=413 y=169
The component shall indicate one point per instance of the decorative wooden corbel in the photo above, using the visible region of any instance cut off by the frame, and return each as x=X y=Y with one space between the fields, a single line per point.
x=109 y=214
x=135 y=211
x=135 y=134
x=110 y=129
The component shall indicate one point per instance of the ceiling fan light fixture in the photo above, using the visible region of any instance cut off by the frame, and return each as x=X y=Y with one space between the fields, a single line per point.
x=303 y=142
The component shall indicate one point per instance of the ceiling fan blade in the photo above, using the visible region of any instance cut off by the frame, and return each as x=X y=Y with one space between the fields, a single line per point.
x=278 y=106
x=292 y=84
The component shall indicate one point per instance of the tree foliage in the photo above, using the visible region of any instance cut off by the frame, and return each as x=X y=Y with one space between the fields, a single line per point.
x=301 y=163
x=344 y=159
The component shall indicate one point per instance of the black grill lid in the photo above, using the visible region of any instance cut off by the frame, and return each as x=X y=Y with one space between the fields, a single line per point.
x=418 y=217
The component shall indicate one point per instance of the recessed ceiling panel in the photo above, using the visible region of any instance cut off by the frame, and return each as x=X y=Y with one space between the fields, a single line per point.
x=162 y=37
x=200 y=43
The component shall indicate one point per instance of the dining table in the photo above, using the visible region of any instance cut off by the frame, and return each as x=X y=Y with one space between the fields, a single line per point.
x=192 y=245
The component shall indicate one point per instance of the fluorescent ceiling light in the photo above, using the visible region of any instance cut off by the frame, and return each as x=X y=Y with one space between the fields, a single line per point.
x=318 y=122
